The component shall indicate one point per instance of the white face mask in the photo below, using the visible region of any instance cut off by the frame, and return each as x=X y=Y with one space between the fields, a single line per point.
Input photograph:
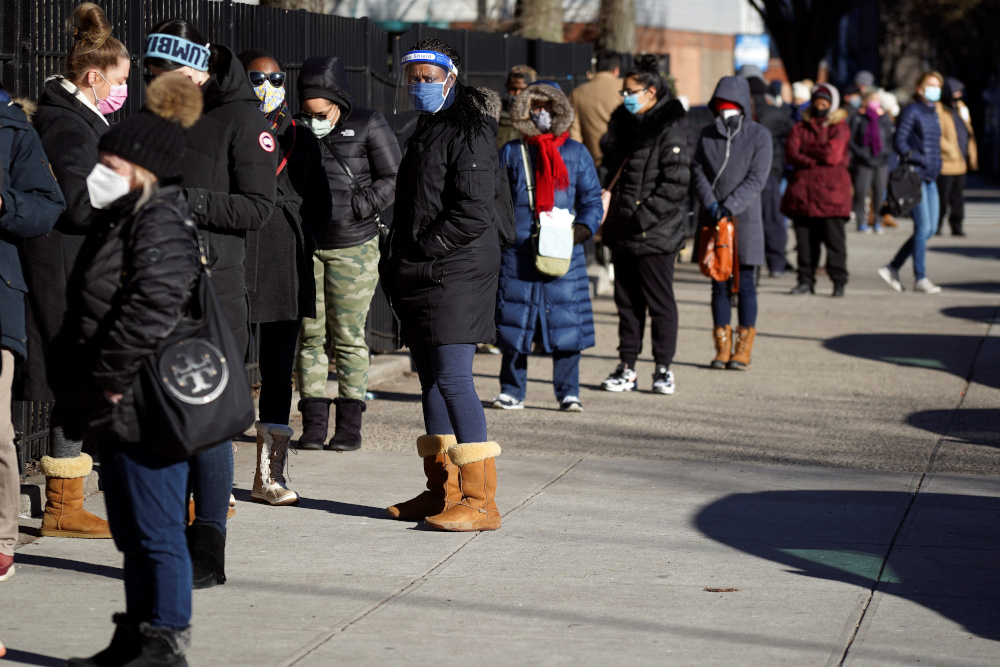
x=106 y=186
x=730 y=113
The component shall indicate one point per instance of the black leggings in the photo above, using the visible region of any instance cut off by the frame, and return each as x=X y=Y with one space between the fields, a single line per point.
x=277 y=357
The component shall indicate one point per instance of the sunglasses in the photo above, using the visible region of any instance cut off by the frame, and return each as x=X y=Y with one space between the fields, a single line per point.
x=277 y=79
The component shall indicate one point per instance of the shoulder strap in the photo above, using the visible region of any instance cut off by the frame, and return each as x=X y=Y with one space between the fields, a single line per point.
x=343 y=164
x=284 y=160
x=525 y=162
x=621 y=167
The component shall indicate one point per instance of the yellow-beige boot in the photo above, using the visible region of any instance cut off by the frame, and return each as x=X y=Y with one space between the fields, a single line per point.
x=744 y=345
x=477 y=510
x=443 y=489
x=723 y=346
x=64 y=514
x=269 y=478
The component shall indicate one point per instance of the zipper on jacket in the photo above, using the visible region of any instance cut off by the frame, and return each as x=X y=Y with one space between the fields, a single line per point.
x=729 y=142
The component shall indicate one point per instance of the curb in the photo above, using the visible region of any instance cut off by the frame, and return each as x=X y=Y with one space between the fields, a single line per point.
x=32 y=499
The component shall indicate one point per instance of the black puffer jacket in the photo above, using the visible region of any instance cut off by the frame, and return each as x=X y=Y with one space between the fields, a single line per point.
x=441 y=268
x=647 y=205
x=367 y=144
x=229 y=175
x=129 y=289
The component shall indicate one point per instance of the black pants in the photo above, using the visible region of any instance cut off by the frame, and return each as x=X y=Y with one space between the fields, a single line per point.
x=643 y=283
x=866 y=178
x=811 y=234
x=277 y=357
x=951 y=190
x=775 y=232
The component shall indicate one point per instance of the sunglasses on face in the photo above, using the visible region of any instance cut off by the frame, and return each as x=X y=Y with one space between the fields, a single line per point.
x=277 y=79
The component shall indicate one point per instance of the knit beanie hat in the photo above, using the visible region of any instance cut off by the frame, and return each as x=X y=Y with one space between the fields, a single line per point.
x=154 y=137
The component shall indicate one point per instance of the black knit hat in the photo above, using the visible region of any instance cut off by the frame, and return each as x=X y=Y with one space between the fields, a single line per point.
x=154 y=137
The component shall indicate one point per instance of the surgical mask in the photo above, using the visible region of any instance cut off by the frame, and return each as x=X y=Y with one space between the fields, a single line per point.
x=632 y=103
x=430 y=97
x=269 y=96
x=729 y=113
x=106 y=186
x=932 y=93
x=855 y=102
x=319 y=126
x=542 y=120
x=115 y=99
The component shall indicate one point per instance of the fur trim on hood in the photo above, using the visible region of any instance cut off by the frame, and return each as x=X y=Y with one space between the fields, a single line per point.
x=836 y=116
x=494 y=105
x=27 y=106
x=562 y=110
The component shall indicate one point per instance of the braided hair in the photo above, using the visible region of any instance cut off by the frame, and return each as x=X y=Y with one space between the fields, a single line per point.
x=470 y=103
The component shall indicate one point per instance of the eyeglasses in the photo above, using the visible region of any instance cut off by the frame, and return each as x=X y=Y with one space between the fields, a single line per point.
x=626 y=93
x=277 y=79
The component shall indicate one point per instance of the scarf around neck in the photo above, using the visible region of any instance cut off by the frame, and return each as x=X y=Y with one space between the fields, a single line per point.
x=276 y=116
x=550 y=170
x=873 y=135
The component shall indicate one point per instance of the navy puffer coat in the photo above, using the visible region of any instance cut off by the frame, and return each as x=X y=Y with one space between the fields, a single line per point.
x=918 y=134
x=559 y=308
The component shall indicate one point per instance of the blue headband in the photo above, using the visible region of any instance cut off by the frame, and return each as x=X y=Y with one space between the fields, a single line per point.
x=432 y=57
x=178 y=50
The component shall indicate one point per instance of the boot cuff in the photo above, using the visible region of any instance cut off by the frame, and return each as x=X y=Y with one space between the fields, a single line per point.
x=78 y=466
x=434 y=445
x=264 y=429
x=349 y=401
x=473 y=452
x=307 y=401
x=179 y=640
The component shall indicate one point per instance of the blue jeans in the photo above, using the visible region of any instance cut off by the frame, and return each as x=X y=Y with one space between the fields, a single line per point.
x=448 y=392
x=565 y=374
x=925 y=222
x=747 y=309
x=147 y=514
x=212 y=482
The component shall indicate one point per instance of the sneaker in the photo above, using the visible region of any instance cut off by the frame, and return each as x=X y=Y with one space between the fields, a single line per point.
x=507 y=402
x=623 y=379
x=663 y=381
x=879 y=230
x=571 y=404
x=864 y=229
x=926 y=286
x=6 y=567
x=891 y=276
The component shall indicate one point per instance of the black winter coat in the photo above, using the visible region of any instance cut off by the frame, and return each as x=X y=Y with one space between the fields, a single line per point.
x=229 y=176
x=779 y=122
x=443 y=260
x=279 y=262
x=70 y=132
x=367 y=144
x=647 y=204
x=129 y=289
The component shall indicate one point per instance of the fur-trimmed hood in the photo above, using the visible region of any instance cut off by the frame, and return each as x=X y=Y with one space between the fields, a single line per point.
x=836 y=116
x=29 y=107
x=562 y=110
x=494 y=105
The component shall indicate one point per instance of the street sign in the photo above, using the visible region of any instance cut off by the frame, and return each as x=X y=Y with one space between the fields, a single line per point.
x=752 y=50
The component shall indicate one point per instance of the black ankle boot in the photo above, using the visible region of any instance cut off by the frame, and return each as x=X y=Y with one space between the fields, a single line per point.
x=162 y=647
x=315 y=422
x=125 y=646
x=208 y=555
x=347 y=437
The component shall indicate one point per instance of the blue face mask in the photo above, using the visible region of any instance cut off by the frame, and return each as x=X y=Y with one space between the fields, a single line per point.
x=932 y=93
x=632 y=103
x=430 y=97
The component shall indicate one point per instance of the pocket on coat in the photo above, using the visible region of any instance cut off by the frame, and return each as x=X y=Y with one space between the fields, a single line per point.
x=475 y=178
x=417 y=275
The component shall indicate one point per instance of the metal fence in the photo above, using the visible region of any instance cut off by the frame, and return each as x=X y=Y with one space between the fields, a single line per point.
x=35 y=38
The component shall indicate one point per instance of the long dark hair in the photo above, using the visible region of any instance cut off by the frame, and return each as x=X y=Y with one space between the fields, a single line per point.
x=469 y=107
x=184 y=30
x=646 y=70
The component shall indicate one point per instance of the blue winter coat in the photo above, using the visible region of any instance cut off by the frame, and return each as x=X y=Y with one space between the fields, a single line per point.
x=32 y=201
x=918 y=130
x=558 y=307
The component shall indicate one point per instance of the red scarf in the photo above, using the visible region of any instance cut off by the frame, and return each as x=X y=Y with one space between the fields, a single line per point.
x=550 y=170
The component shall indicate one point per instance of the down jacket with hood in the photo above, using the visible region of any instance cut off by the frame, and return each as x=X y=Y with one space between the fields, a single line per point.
x=442 y=260
x=559 y=308
x=918 y=138
x=731 y=166
x=366 y=143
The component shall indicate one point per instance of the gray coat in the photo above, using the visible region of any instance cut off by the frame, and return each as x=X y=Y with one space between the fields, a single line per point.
x=736 y=158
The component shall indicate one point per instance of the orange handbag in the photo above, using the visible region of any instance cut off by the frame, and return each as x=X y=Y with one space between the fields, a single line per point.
x=717 y=247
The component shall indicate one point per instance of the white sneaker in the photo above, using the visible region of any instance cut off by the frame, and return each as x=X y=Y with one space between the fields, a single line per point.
x=926 y=286
x=623 y=379
x=891 y=276
x=663 y=381
x=507 y=402
x=571 y=404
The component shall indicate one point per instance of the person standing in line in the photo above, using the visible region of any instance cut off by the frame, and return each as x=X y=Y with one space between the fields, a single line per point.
x=70 y=121
x=228 y=173
x=870 y=145
x=918 y=141
x=818 y=198
x=440 y=274
x=279 y=269
x=595 y=101
x=646 y=147
x=554 y=313
x=518 y=78
x=729 y=169
x=360 y=157
x=30 y=204
x=959 y=154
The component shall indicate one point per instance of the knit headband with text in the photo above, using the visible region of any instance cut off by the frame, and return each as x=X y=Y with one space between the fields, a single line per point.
x=178 y=50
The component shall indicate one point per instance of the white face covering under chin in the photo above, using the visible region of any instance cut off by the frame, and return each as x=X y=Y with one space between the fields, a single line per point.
x=106 y=186
x=729 y=113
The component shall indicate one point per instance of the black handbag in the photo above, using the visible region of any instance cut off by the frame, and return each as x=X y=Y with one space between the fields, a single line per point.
x=905 y=189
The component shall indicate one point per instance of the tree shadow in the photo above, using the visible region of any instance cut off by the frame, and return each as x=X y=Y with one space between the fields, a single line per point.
x=990 y=288
x=972 y=426
x=67 y=564
x=844 y=536
x=324 y=505
x=28 y=658
x=985 y=314
x=974 y=252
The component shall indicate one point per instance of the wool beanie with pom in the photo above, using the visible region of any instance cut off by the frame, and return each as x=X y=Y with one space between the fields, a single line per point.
x=154 y=138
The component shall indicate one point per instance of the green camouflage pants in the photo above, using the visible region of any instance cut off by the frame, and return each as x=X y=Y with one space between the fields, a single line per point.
x=345 y=284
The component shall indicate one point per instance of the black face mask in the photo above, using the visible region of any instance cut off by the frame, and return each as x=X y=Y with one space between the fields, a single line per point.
x=820 y=113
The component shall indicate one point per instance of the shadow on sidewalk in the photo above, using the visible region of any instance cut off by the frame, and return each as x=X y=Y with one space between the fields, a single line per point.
x=944 y=558
x=331 y=506
x=975 y=427
x=989 y=288
x=985 y=314
x=24 y=559
x=29 y=658
x=974 y=252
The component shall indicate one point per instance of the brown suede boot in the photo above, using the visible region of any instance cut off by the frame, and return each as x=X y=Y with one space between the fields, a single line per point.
x=744 y=345
x=478 y=476
x=64 y=514
x=889 y=221
x=723 y=346
x=443 y=489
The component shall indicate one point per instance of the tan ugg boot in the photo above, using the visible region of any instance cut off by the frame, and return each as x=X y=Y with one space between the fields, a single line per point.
x=744 y=345
x=477 y=509
x=64 y=514
x=723 y=346
x=269 y=478
x=443 y=489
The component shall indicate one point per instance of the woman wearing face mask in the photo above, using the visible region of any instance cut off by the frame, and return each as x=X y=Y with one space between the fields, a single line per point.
x=959 y=154
x=647 y=159
x=229 y=171
x=440 y=273
x=918 y=141
x=871 y=143
x=818 y=198
x=555 y=312
x=279 y=268
x=360 y=158
x=70 y=121
x=730 y=169
x=131 y=284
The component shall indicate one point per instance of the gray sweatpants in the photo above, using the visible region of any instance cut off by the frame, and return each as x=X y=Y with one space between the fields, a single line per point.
x=10 y=481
